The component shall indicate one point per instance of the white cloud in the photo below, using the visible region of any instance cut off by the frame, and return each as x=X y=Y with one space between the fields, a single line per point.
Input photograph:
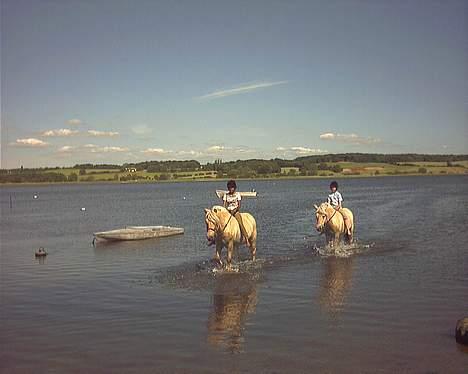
x=306 y=150
x=300 y=151
x=327 y=136
x=155 y=151
x=350 y=138
x=241 y=89
x=109 y=149
x=30 y=142
x=243 y=150
x=102 y=133
x=142 y=129
x=59 y=132
x=216 y=148
x=66 y=149
x=190 y=153
x=92 y=148
x=74 y=122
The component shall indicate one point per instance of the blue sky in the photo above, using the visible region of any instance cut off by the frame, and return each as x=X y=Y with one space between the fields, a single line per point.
x=124 y=81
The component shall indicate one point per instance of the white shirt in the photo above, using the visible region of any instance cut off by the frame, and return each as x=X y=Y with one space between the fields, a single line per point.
x=232 y=200
x=335 y=199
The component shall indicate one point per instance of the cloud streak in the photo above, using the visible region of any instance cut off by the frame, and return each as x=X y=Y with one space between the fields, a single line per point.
x=74 y=122
x=59 y=132
x=155 y=151
x=241 y=89
x=300 y=151
x=350 y=138
x=103 y=133
x=30 y=142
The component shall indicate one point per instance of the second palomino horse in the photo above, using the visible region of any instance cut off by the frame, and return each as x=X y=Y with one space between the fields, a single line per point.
x=331 y=222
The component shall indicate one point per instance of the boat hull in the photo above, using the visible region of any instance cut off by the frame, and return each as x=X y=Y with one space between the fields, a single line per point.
x=139 y=233
x=221 y=193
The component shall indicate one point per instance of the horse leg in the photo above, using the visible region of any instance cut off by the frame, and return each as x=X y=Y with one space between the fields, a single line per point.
x=230 y=250
x=328 y=239
x=336 y=239
x=219 y=248
x=350 y=237
x=253 y=248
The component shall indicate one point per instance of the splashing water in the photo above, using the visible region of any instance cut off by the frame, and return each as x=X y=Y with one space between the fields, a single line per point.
x=342 y=250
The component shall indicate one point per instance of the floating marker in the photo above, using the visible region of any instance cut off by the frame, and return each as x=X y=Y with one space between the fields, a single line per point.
x=35 y=197
x=184 y=197
x=83 y=209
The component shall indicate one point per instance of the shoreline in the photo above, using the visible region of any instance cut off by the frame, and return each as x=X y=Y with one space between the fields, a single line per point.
x=276 y=178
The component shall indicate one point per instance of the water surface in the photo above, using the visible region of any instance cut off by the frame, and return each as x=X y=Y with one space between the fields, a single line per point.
x=154 y=306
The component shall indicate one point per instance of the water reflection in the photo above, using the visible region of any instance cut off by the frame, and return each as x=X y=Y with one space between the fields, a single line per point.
x=335 y=284
x=234 y=298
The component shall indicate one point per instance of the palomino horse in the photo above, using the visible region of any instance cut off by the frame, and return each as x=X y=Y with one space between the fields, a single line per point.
x=223 y=230
x=330 y=221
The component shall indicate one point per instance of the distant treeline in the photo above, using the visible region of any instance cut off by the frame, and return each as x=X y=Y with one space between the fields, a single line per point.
x=306 y=166
x=32 y=176
x=164 y=166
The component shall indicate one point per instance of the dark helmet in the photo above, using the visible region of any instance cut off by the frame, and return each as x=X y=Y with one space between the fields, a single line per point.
x=334 y=184
x=231 y=184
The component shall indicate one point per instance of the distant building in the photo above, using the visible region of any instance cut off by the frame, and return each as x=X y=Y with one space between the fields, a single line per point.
x=131 y=170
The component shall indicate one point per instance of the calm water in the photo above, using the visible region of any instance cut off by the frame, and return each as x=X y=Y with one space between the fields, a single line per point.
x=153 y=306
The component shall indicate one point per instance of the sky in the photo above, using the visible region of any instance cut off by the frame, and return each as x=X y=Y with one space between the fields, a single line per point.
x=115 y=81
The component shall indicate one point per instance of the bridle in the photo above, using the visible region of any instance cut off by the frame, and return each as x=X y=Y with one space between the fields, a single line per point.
x=329 y=219
x=214 y=229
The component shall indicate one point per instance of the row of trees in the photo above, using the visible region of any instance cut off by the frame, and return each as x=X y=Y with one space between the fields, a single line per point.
x=47 y=177
x=164 y=166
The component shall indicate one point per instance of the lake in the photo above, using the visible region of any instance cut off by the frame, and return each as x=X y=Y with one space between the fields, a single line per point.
x=155 y=306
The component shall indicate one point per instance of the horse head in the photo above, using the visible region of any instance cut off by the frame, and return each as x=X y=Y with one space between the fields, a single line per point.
x=212 y=222
x=321 y=216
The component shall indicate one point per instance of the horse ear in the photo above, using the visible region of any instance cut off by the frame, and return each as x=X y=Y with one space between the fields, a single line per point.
x=206 y=210
x=316 y=207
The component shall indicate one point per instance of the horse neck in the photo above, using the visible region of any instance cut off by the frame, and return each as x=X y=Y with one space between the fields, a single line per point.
x=223 y=218
x=334 y=217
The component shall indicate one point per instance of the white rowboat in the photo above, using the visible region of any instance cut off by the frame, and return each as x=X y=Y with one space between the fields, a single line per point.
x=221 y=193
x=139 y=233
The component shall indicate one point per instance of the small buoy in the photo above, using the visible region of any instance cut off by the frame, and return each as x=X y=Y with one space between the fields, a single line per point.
x=184 y=197
x=461 y=331
x=35 y=197
x=41 y=252
x=83 y=209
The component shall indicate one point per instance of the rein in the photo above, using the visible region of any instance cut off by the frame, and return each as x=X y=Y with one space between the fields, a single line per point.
x=329 y=219
x=217 y=225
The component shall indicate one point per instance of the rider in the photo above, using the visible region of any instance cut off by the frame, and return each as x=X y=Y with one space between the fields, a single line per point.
x=232 y=202
x=335 y=199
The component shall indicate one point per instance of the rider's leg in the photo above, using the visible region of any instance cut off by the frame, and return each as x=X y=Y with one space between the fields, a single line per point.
x=238 y=217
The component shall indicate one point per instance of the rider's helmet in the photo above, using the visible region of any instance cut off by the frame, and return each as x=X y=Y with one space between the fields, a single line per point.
x=231 y=184
x=334 y=184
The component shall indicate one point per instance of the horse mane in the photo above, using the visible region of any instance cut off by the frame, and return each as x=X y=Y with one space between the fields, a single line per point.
x=323 y=207
x=212 y=214
x=217 y=208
